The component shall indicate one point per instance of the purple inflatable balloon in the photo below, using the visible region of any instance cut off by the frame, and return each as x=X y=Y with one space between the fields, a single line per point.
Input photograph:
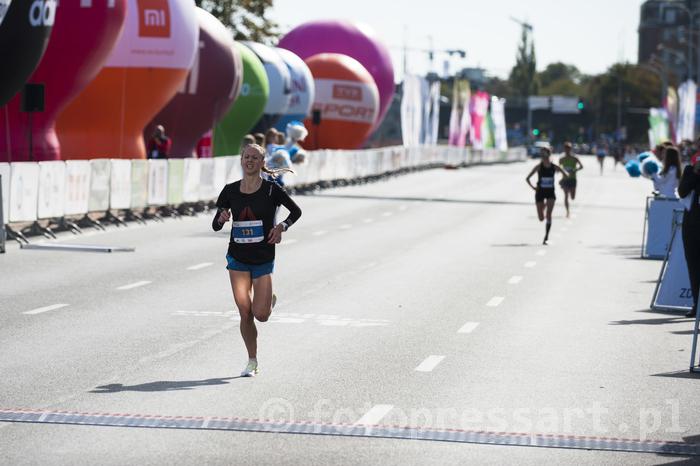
x=355 y=40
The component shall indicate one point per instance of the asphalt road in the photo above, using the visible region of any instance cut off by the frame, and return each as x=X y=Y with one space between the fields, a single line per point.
x=425 y=301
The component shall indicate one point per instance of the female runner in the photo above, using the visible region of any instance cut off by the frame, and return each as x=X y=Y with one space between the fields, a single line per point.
x=253 y=202
x=544 y=191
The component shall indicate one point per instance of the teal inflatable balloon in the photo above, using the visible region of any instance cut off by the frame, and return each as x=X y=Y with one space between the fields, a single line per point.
x=633 y=169
x=248 y=107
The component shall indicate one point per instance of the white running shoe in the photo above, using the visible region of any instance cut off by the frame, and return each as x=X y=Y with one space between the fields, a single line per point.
x=251 y=369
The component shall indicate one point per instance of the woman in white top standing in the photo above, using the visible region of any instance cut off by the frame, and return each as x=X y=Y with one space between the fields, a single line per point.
x=666 y=182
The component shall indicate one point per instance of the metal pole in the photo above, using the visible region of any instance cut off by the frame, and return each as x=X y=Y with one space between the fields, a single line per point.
x=2 y=222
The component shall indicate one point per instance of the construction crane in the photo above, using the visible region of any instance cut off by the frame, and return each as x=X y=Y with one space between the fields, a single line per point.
x=525 y=25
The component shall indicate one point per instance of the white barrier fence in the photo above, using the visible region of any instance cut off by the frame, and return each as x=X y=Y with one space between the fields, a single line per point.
x=47 y=190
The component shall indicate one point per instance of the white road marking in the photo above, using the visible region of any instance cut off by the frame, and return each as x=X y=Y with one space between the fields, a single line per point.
x=319 y=233
x=564 y=229
x=368 y=220
x=387 y=214
x=403 y=207
x=530 y=264
x=200 y=266
x=468 y=327
x=53 y=307
x=133 y=285
x=515 y=279
x=347 y=226
x=374 y=415
x=430 y=363
x=569 y=222
x=287 y=242
x=541 y=252
x=495 y=301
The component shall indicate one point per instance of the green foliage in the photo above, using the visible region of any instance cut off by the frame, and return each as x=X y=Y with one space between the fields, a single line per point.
x=523 y=77
x=245 y=18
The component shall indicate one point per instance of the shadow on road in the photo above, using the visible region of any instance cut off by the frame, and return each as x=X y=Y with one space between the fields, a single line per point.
x=685 y=374
x=162 y=385
x=659 y=321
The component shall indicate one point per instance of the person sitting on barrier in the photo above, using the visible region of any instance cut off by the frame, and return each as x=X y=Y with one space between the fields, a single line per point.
x=666 y=182
x=159 y=145
x=571 y=164
x=545 y=188
x=252 y=203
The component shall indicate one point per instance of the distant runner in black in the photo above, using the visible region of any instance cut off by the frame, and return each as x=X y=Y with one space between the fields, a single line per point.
x=252 y=203
x=544 y=191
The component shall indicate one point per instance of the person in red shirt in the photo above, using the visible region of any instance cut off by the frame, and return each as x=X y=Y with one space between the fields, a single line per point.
x=159 y=145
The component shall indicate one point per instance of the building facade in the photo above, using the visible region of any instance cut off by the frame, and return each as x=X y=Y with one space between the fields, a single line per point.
x=669 y=37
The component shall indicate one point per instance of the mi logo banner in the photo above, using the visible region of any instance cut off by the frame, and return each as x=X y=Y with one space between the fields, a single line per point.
x=154 y=18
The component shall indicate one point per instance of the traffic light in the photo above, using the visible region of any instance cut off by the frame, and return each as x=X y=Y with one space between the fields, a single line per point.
x=535 y=132
x=580 y=105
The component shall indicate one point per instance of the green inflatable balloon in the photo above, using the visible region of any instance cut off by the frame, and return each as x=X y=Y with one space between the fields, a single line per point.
x=248 y=107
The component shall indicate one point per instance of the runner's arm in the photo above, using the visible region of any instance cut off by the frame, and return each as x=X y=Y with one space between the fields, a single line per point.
x=222 y=205
x=527 y=180
x=283 y=198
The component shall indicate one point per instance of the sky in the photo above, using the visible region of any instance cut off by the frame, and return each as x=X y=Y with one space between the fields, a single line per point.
x=590 y=34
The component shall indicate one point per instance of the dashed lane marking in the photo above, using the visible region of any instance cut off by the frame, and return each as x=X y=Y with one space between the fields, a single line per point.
x=515 y=279
x=200 y=266
x=530 y=264
x=133 y=285
x=347 y=226
x=288 y=426
x=495 y=301
x=541 y=252
x=287 y=242
x=319 y=233
x=429 y=363
x=469 y=327
x=368 y=220
x=41 y=310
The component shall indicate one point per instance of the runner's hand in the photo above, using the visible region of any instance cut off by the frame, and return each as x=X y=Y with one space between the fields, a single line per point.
x=275 y=235
x=224 y=216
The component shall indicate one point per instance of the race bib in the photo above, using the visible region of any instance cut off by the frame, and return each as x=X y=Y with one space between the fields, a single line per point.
x=250 y=231
x=547 y=182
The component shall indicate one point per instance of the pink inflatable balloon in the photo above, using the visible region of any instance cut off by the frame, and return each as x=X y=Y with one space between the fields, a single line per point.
x=354 y=40
x=83 y=35
x=212 y=85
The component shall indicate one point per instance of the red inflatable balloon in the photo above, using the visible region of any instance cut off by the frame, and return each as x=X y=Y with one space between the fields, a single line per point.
x=212 y=85
x=147 y=66
x=83 y=35
x=347 y=99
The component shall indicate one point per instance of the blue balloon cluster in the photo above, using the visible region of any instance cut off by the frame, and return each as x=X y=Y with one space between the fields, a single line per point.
x=633 y=169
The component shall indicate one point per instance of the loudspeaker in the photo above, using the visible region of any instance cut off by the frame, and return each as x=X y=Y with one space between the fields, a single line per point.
x=33 y=98
x=316 y=117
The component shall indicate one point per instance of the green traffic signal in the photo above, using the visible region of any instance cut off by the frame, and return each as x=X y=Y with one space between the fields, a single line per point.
x=535 y=132
x=580 y=105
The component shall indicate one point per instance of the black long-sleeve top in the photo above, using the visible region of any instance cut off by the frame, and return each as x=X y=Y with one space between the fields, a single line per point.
x=253 y=217
x=690 y=183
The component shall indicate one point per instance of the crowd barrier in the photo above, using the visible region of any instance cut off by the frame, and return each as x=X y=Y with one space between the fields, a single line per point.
x=673 y=292
x=59 y=189
x=658 y=226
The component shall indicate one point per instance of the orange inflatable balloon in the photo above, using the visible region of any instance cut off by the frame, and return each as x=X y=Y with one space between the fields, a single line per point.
x=347 y=99
x=145 y=70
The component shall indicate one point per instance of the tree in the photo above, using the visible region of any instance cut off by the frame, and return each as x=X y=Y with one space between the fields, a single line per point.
x=246 y=18
x=523 y=77
x=559 y=71
x=640 y=89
